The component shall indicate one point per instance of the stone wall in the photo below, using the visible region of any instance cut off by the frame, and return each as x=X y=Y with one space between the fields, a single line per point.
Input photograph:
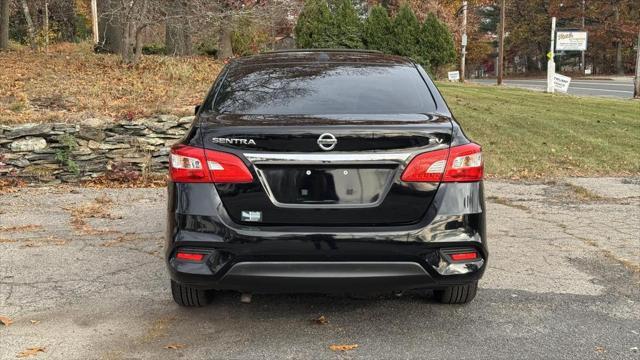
x=90 y=149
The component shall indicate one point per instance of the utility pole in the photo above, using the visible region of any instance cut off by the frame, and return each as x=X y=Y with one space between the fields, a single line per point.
x=94 y=21
x=583 y=65
x=463 y=51
x=636 y=87
x=501 y=44
x=551 y=65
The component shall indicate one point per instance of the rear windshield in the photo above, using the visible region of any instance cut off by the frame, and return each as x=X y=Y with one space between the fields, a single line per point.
x=324 y=89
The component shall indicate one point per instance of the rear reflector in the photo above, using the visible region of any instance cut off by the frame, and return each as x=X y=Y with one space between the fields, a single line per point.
x=189 y=256
x=456 y=164
x=190 y=164
x=471 y=255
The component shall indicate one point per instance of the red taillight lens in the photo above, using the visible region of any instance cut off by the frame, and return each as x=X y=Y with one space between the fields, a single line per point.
x=426 y=167
x=465 y=164
x=456 y=164
x=186 y=164
x=227 y=168
x=471 y=255
x=191 y=164
x=189 y=256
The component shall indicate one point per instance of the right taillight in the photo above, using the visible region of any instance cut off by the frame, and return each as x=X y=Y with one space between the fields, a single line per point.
x=457 y=164
x=191 y=164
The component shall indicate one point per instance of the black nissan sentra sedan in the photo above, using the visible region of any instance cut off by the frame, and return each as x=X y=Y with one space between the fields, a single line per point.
x=325 y=171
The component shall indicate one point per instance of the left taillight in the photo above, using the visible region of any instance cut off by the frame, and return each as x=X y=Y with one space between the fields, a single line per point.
x=194 y=165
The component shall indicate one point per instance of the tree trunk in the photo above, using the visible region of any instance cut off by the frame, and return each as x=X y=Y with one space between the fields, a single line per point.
x=177 y=30
x=619 y=66
x=46 y=25
x=30 y=28
x=224 y=43
x=4 y=24
x=636 y=87
x=94 y=21
x=110 y=29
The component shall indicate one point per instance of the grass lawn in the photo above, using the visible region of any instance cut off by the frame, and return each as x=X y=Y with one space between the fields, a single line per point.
x=527 y=134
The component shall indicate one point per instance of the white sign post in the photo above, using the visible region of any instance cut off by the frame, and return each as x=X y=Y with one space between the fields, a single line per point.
x=561 y=83
x=454 y=75
x=551 y=65
x=571 y=41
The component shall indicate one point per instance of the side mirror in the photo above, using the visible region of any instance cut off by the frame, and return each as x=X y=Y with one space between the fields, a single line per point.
x=197 y=108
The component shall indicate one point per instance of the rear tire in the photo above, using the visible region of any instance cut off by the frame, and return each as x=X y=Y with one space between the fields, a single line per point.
x=189 y=296
x=457 y=294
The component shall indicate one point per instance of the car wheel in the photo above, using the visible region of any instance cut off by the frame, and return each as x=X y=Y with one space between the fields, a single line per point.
x=189 y=296
x=457 y=294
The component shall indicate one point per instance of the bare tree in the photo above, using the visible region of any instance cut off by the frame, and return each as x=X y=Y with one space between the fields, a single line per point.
x=30 y=28
x=178 y=29
x=4 y=24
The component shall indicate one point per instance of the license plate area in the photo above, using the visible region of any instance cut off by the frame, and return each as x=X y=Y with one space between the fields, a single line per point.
x=327 y=185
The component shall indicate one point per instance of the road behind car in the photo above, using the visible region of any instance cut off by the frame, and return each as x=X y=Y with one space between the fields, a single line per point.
x=82 y=276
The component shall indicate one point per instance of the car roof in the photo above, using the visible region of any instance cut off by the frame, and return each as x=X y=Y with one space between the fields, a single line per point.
x=315 y=56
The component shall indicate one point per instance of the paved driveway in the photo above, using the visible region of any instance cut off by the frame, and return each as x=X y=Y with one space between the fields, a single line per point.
x=622 y=88
x=81 y=276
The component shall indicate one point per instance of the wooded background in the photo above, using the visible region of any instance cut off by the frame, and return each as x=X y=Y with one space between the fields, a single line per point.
x=227 y=28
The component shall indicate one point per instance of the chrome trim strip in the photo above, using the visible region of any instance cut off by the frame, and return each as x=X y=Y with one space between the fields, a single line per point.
x=325 y=158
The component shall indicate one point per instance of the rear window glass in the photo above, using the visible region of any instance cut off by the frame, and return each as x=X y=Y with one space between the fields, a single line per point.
x=324 y=89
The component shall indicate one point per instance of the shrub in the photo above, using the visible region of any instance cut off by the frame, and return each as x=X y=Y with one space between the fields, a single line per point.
x=377 y=31
x=314 y=28
x=436 y=43
x=347 y=28
x=248 y=38
x=406 y=30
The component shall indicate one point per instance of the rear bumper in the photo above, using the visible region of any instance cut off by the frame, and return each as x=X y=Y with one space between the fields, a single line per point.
x=324 y=259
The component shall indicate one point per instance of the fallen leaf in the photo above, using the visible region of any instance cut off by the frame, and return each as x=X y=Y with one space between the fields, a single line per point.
x=32 y=351
x=175 y=346
x=599 y=349
x=343 y=347
x=321 y=320
x=35 y=322
x=5 y=321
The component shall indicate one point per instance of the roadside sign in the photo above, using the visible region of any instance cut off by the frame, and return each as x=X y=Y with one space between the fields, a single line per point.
x=549 y=55
x=454 y=75
x=571 y=41
x=464 y=40
x=561 y=83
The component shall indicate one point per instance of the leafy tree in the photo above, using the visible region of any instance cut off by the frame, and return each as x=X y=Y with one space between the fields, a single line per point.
x=347 y=28
x=436 y=43
x=314 y=28
x=406 y=30
x=377 y=32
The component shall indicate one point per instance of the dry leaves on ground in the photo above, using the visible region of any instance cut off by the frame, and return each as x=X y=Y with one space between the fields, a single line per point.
x=320 y=320
x=5 y=321
x=343 y=347
x=175 y=346
x=600 y=349
x=20 y=228
x=31 y=351
x=35 y=322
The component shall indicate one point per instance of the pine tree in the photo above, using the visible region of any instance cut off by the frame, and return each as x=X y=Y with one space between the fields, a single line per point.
x=347 y=29
x=377 y=32
x=314 y=28
x=406 y=32
x=436 y=43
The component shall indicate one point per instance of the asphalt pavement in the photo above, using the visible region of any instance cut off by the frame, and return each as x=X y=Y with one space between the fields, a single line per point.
x=82 y=277
x=616 y=88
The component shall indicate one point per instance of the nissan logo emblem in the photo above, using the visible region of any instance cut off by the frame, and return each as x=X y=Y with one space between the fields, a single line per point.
x=327 y=141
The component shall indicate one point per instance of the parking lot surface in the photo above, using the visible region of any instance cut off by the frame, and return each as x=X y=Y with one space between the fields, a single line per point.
x=82 y=276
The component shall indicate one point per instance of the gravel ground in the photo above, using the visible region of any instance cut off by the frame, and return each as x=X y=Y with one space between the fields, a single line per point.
x=81 y=276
